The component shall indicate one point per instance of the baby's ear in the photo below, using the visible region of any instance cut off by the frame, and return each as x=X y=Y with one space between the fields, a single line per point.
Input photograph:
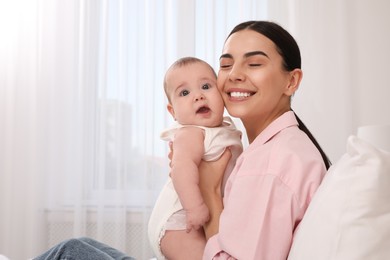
x=295 y=80
x=171 y=110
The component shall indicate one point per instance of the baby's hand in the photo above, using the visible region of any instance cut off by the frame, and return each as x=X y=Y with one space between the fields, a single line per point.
x=197 y=217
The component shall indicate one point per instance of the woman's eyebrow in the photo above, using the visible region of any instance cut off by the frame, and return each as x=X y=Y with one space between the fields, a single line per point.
x=226 y=55
x=246 y=55
x=253 y=53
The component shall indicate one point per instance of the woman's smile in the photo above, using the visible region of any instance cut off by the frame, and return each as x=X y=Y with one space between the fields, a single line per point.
x=240 y=95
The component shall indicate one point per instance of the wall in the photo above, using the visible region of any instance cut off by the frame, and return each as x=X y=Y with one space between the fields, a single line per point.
x=345 y=57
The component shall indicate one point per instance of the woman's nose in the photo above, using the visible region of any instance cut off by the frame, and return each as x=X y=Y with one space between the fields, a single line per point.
x=236 y=74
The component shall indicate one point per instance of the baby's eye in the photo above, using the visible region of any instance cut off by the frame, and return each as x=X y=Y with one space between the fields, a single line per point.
x=206 y=86
x=184 y=93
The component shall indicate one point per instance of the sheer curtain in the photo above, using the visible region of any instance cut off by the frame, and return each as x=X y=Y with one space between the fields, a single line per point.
x=82 y=105
x=81 y=109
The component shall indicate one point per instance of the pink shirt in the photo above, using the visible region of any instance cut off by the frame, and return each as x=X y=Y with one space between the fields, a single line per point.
x=267 y=194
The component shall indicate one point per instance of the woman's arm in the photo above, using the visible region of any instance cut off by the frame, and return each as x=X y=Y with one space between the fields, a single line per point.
x=210 y=182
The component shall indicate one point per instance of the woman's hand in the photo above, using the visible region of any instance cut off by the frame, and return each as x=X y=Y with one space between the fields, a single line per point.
x=211 y=173
x=210 y=182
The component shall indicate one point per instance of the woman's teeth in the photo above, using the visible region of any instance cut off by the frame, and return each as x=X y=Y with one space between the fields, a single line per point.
x=240 y=94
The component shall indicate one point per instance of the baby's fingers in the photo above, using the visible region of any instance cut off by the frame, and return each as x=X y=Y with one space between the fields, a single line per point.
x=170 y=154
x=188 y=228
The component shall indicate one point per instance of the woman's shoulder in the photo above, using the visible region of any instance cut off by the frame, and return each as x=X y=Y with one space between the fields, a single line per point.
x=289 y=156
x=293 y=140
x=297 y=161
x=286 y=151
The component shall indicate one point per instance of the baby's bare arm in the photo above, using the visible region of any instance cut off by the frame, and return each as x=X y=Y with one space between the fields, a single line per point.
x=188 y=148
x=210 y=178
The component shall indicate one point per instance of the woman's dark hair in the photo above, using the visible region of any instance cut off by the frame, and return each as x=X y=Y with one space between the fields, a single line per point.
x=286 y=45
x=288 y=48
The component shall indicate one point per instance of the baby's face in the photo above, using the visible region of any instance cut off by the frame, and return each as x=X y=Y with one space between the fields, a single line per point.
x=194 y=96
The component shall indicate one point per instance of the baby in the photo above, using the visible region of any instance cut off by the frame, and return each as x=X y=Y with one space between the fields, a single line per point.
x=201 y=133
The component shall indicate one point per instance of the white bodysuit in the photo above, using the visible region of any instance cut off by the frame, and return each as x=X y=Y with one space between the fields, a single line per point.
x=168 y=213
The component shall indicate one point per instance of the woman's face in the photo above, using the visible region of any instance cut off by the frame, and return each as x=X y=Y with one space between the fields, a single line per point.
x=252 y=81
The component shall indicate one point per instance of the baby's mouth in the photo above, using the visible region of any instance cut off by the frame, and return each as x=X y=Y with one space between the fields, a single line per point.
x=203 y=110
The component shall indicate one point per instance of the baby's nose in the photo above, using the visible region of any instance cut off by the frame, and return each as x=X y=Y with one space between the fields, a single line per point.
x=199 y=97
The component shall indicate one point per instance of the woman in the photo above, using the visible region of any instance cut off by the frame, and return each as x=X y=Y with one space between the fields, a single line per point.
x=277 y=175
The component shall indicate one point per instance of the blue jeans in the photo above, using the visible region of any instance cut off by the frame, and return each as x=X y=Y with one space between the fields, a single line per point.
x=82 y=249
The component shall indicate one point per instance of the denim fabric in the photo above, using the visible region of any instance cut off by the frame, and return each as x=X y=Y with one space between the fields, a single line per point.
x=82 y=249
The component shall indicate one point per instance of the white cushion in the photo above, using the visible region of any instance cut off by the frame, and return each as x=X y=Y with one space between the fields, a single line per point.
x=349 y=216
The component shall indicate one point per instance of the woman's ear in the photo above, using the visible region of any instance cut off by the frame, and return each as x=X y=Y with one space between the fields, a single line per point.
x=295 y=79
x=171 y=110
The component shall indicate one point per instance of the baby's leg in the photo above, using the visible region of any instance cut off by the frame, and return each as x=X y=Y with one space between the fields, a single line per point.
x=178 y=244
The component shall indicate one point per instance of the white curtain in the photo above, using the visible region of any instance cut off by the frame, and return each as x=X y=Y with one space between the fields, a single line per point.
x=81 y=109
x=82 y=105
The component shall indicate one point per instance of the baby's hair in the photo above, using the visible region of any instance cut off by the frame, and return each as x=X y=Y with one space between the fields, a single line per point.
x=181 y=63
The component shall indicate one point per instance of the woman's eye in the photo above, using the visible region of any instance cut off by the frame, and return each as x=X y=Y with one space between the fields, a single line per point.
x=254 y=64
x=184 y=93
x=225 y=63
x=224 y=66
x=206 y=86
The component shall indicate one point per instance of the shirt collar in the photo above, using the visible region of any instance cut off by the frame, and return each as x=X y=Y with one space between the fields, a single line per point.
x=282 y=122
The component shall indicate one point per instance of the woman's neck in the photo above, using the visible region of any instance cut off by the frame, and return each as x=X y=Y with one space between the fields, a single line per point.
x=255 y=125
